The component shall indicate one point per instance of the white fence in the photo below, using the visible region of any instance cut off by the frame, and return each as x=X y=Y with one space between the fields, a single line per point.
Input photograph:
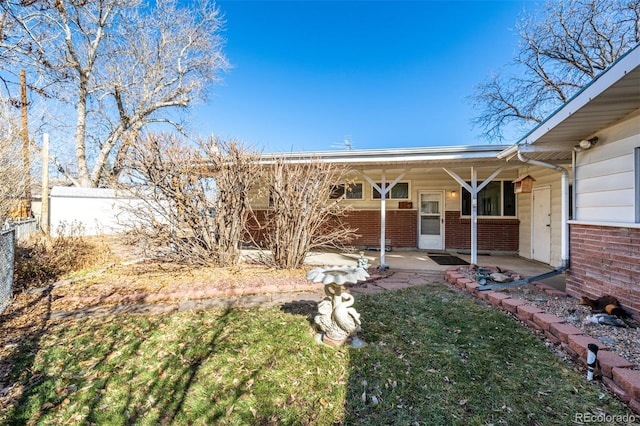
x=25 y=228
x=7 y=253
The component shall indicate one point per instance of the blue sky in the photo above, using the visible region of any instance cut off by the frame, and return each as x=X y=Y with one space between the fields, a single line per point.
x=385 y=74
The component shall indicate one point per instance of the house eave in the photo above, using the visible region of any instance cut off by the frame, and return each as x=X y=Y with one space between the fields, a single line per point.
x=481 y=154
x=610 y=98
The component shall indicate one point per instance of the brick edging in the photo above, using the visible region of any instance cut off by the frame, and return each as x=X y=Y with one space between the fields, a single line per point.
x=295 y=285
x=618 y=374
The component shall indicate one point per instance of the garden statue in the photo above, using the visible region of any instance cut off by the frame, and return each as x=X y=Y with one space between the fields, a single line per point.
x=337 y=319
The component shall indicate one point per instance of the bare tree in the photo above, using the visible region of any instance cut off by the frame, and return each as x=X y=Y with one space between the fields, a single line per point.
x=12 y=172
x=563 y=46
x=194 y=201
x=303 y=216
x=115 y=66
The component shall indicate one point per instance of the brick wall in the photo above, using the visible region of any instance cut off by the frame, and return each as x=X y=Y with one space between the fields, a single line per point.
x=493 y=234
x=401 y=227
x=605 y=260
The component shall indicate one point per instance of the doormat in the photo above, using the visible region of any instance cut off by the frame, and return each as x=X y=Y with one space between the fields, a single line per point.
x=445 y=259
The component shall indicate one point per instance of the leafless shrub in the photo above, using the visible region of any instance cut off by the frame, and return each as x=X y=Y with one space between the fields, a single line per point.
x=193 y=201
x=43 y=259
x=12 y=173
x=303 y=216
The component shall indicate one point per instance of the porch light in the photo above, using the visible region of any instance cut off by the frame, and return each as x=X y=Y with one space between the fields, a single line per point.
x=453 y=194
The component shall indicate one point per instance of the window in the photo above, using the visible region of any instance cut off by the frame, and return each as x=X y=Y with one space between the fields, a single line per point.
x=399 y=192
x=495 y=199
x=352 y=191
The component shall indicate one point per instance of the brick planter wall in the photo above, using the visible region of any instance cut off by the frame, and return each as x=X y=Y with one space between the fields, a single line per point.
x=605 y=260
x=493 y=234
x=617 y=373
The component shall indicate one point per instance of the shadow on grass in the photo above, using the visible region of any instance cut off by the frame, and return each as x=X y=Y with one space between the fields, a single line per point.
x=433 y=356
x=438 y=357
x=213 y=367
x=23 y=327
x=119 y=354
x=305 y=308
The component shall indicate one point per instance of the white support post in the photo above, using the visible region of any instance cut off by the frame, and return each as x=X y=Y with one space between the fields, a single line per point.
x=474 y=216
x=474 y=189
x=383 y=189
x=383 y=220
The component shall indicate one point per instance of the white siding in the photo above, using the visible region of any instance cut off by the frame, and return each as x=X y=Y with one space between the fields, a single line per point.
x=544 y=177
x=98 y=211
x=605 y=175
x=420 y=179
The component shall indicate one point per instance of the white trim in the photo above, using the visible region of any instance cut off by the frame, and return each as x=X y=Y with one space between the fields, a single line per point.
x=502 y=194
x=442 y=201
x=610 y=224
x=389 y=191
x=390 y=155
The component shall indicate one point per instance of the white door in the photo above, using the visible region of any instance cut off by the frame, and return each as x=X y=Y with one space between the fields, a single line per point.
x=541 y=225
x=430 y=226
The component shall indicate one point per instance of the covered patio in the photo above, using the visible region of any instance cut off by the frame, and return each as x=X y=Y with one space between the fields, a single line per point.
x=419 y=260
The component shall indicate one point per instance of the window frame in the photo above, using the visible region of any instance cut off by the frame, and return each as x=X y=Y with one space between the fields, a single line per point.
x=502 y=202
x=345 y=194
x=390 y=195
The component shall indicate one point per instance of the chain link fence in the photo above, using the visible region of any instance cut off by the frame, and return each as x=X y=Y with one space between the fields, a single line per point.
x=7 y=253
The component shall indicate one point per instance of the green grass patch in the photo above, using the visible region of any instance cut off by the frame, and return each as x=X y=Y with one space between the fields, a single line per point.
x=433 y=357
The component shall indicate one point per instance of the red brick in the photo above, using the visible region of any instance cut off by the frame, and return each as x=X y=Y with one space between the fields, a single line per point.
x=567 y=349
x=635 y=406
x=609 y=360
x=563 y=331
x=617 y=390
x=527 y=311
x=493 y=234
x=462 y=282
x=628 y=380
x=553 y=339
x=453 y=276
x=496 y=298
x=472 y=286
x=544 y=320
x=535 y=327
x=511 y=305
x=579 y=344
x=484 y=295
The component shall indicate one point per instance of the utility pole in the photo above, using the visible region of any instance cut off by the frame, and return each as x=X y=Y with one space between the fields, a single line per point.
x=44 y=219
x=25 y=143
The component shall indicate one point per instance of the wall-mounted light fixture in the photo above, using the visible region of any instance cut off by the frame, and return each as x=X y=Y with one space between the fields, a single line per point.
x=585 y=144
x=453 y=194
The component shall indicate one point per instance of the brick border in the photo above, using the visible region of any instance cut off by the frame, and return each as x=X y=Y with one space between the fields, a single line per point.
x=618 y=374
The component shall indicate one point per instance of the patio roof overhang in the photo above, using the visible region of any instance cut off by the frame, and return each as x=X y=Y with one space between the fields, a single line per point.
x=610 y=98
x=399 y=158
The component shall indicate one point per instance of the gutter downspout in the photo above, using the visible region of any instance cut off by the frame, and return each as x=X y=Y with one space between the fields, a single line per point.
x=564 y=232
